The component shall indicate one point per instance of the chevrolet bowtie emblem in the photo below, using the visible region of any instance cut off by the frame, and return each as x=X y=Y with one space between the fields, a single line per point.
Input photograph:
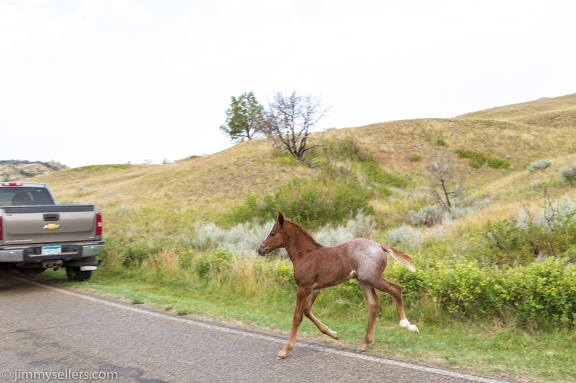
x=51 y=226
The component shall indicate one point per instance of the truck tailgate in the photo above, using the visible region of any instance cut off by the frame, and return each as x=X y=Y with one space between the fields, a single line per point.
x=49 y=223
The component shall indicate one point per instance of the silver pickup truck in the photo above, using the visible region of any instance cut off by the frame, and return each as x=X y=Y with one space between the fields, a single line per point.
x=37 y=234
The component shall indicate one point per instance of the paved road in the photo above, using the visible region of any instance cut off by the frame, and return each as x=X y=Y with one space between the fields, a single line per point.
x=54 y=333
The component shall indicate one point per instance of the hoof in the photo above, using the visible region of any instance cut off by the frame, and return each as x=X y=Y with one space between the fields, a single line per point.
x=282 y=354
x=410 y=327
x=334 y=335
x=361 y=348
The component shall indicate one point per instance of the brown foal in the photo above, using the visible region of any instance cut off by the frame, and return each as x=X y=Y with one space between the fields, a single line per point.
x=317 y=266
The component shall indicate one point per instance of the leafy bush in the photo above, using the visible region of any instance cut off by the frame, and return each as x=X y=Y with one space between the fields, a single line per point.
x=373 y=171
x=309 y=202
x=128 y=252
x=478 y=159
x=552 y=233
x=415 y=158
x=284 y=275
x=217 y=262
x=538 y=296
x=440 y=141
x=497 y=163
x=346 y=149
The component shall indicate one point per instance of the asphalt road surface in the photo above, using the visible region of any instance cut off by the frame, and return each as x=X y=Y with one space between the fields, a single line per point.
x=54 y=333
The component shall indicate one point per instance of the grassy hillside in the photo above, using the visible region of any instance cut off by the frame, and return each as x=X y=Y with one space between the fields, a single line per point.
x=207 y=186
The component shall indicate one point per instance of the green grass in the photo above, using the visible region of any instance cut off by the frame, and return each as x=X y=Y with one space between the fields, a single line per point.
x=482 y=348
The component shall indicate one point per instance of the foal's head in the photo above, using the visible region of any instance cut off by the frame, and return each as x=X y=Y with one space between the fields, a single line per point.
x=275 y=238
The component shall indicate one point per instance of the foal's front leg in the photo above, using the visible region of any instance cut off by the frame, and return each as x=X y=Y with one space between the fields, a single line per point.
x=321 y=326
x=302 y=296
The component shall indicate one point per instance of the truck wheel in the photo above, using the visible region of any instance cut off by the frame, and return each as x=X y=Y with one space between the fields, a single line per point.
x=30 y=271
x=76 y=275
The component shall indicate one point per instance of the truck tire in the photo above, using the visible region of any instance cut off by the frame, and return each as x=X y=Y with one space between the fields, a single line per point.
x=29 y=271
x=76 y=275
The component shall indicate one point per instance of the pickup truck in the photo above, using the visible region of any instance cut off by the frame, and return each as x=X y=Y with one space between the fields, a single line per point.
x=38 y=234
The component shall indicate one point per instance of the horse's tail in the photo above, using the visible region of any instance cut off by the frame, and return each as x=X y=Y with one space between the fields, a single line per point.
x=404 y=259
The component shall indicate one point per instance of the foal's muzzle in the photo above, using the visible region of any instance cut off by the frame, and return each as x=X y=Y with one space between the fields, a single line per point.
x=262 y=250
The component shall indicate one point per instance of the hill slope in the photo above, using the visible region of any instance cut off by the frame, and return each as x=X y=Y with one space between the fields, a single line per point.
x=208 y=185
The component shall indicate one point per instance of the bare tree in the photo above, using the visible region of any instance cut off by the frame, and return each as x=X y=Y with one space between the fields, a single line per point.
x=289 y=120
x=446 y=178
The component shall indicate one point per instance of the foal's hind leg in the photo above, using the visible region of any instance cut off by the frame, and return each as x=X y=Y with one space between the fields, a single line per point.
x=321 y=326
x=373 y=304
x=395 y=290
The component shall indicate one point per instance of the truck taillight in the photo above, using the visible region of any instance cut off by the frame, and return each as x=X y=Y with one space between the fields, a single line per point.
x=98 y=224
x=11 y=183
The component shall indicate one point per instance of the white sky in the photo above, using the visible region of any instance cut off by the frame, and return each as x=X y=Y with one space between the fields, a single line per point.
x=86 y=82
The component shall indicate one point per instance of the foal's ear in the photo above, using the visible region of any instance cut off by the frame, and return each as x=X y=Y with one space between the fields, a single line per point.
x=280 y=218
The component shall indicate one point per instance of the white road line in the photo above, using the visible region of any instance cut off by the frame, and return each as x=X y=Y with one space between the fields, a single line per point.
x=189 y=321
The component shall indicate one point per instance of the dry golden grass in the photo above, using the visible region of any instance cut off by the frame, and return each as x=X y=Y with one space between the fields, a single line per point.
x=545 y=106
x=212 y=184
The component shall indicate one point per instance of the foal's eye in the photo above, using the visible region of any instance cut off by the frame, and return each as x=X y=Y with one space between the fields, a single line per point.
x=272 y=233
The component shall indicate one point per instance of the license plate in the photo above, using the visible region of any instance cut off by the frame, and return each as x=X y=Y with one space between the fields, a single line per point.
x=51 y=250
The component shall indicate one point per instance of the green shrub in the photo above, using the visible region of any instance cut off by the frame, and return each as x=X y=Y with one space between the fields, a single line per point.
x=538 y=296
x=569 y=173
x=309 y=202
x=478 y=159
x=550 y=234
x=127 y=252
x=375 y=174
x=497 y=163
x=440 y=141
x=459 y=290
x=186 y=259
x=284 y=275
x=415 y=158
x=213 y=263
x=346 y=149
x=542 y=295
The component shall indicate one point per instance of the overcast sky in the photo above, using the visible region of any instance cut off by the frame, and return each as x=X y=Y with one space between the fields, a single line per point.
x=86 y=82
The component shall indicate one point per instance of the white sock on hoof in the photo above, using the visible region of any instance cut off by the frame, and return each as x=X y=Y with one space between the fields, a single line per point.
x=404 y=323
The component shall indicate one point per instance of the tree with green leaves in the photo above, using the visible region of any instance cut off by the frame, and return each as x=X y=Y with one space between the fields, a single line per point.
x=244 y=118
